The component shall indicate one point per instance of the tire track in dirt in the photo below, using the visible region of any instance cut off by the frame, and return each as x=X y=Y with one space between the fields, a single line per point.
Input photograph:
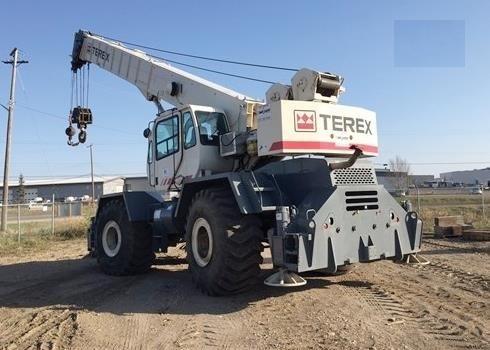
x=205 y=332
x=49 y=297
x=44 y=328
x=108 y=331
x=154 y=308
x=442 y=314
x=195 y=321
x=412 y=311
x=292 y=320
x=52 y=327
x=459 y=315
x=127 y=311
x=462 y=279
x=377 y=298
x=175 y=331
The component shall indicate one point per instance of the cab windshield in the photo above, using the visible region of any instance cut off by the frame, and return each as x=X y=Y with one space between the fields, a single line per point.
x=211 y=125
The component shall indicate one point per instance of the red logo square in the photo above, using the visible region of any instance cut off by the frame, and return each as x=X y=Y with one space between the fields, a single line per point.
x=305 y=121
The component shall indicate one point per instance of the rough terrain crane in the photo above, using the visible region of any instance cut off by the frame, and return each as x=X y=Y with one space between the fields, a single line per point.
x=231 y=174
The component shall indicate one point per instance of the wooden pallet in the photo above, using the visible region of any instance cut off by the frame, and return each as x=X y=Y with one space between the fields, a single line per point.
x=476 y=235
x=450 y=226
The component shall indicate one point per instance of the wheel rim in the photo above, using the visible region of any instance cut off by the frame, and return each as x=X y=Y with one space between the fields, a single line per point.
x=111 y=238
x=202 y=242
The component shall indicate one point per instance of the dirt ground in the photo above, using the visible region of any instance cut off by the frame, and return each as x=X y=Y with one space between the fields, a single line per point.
x=58 y=299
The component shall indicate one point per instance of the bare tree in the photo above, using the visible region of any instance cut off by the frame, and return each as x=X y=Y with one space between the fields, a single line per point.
x=399 y=165
x=400 y=170
x=21 y=191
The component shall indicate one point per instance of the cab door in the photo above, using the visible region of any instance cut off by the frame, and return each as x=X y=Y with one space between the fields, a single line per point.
x=150 y=164
x=150 y=158
x=168 y=150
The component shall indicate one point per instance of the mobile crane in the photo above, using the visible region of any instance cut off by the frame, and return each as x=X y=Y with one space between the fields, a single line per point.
x=231 y=174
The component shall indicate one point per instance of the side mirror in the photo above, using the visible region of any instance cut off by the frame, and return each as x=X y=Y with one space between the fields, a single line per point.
x=147 y=133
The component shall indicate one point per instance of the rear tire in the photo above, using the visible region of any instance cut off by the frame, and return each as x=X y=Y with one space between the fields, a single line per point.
x=122 y=247
x=223 y=246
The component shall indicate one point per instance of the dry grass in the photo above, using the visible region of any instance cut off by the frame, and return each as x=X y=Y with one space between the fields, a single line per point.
x=39 y=235
x=470 y=206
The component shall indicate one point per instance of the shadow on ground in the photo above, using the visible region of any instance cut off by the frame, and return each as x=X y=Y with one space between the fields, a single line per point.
x=166 y=288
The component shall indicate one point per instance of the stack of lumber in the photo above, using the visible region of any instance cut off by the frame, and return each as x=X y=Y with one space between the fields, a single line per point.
x=476 y=235
x=450 y=226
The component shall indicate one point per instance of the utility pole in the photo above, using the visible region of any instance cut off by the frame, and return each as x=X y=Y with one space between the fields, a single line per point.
x=92 y=173
x=14 y=62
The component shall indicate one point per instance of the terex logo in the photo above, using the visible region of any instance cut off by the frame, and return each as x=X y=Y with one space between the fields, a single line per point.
x=305 y=121
x=339 y=123
x=98 y=52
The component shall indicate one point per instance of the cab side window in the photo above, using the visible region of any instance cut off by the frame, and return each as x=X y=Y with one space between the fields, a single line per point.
x=189 y=131
x=167 y=137
x=211 y=125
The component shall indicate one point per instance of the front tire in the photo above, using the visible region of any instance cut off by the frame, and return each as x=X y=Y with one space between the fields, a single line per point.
x=223 y=246
x=122 y=247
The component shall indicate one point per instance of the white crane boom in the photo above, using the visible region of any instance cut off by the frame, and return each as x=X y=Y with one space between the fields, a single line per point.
x=158 y=80
x=301 y=118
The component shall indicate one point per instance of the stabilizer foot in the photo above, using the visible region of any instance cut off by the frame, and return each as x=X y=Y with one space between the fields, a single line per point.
x=284 y=278
x=414 y=259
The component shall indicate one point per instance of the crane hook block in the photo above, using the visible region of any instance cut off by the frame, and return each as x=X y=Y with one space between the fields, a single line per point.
x=81 y=116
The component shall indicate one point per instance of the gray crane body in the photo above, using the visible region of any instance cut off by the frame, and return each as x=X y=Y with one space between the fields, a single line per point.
x=232 y=174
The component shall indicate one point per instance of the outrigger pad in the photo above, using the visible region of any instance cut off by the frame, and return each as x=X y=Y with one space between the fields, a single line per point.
x=284 y=278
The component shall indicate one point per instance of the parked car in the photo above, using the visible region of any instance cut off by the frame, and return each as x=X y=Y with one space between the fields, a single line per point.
x=476 y=190
x=37 y=203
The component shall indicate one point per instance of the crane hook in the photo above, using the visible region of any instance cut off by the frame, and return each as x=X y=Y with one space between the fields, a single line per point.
x=82 y=117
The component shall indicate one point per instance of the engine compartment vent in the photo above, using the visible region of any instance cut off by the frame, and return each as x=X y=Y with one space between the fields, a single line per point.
x=361 y=200
x=354 y=176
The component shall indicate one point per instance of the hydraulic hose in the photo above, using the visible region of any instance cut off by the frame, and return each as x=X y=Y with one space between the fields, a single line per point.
x=349 y=162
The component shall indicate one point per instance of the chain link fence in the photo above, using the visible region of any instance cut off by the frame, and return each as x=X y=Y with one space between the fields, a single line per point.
x=431 y=203
x=40 y=217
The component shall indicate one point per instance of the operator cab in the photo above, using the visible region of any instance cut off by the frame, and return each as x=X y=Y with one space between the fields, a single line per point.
x=185 y=144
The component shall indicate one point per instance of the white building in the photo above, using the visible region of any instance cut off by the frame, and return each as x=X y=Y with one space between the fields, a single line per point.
x=62 y=188
x=468 y=177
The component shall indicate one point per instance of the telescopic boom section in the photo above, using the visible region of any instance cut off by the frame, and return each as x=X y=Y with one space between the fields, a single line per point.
x=158 y=80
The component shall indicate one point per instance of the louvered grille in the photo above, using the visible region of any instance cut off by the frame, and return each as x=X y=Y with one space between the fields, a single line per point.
x=361 y=200
x=354 y=176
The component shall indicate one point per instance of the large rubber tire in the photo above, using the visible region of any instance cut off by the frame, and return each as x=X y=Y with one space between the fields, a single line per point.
x=122 y=247
x=223 y=246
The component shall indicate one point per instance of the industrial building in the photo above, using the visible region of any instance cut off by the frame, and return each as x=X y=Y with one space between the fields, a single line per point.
x=63 y=188
x=477 y=177
x=397 y=182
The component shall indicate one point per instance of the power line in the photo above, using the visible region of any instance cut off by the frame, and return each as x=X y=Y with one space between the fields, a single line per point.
x=64 y=119
x=202 y=57
x=215 y=71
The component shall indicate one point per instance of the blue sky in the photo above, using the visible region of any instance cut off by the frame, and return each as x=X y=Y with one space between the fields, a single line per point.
x=423 y=66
